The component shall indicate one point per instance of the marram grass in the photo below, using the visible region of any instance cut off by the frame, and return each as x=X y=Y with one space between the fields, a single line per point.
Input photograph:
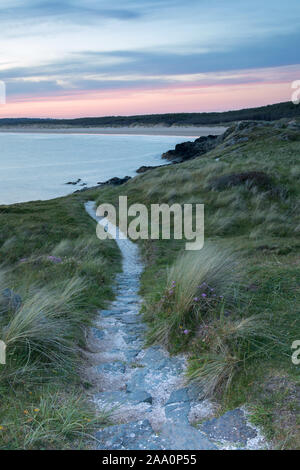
x=52 y=258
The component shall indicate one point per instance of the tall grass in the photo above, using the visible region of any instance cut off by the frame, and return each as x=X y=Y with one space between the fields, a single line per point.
x=45 y=323
x=217 y=267
x=204 y=310
x=63 y=273
x=197 y=283
x=224 y=346
x=48 y=419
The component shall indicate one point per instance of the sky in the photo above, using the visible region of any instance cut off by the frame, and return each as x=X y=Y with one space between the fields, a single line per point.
x=71 y=58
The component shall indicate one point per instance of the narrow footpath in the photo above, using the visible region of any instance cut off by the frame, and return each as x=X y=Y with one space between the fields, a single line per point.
x=152 y=408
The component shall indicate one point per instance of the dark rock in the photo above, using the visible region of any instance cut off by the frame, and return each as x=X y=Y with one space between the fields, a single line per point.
x=115 y=181
x=231 y=427
x=189 y=150
x=112 y=181
x=85 y=188
x=145 y=168
x=74 y=182
x=11 y=300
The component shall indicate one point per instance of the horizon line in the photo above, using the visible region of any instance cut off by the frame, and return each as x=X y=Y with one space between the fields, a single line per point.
x=142 y=114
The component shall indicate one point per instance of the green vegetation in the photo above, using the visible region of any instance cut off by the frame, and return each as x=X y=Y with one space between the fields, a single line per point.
x=241 y=338
x=265 y=113
x=233 y=307
x=51 y=257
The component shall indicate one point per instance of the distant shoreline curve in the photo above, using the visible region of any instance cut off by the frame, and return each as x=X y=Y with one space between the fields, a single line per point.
x=137 y=130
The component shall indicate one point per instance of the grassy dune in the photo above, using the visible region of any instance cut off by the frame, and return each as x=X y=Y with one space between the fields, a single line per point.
x=51 y=257
x=233 y=306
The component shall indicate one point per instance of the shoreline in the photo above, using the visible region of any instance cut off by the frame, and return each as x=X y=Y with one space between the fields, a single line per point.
x=138 y=130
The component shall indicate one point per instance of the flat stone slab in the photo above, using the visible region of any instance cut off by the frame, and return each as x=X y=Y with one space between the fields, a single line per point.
x=137 y=381
x=140 y=396
x=121 y=397
x=116 y=367
x=131 y=354
x=180 y=395
x=113 y=398
x=131 y=338
x=130 y=436
x=231 y=427
x=156 y=359
x=178 y=412
x=178 y=406
x=185 y=437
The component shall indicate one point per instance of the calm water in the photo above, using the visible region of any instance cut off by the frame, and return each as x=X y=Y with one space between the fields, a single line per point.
x=37 y=166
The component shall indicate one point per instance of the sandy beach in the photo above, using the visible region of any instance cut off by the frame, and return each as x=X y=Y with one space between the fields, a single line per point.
x=137 y=130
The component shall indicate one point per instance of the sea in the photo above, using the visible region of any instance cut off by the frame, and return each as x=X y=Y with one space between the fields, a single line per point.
x=37 y=166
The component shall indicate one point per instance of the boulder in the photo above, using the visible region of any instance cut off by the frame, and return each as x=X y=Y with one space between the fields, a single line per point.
x=189 y=150
x=145 y=168
x=112 y=181
x=115 y=181
x=74 y=182
x=232 y=427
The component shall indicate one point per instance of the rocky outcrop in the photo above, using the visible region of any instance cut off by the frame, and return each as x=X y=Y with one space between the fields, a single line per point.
x=189 y=150
x=74 y=182
x=145 y=168
x=112 y=182
x=237 y=134
x=115 y=181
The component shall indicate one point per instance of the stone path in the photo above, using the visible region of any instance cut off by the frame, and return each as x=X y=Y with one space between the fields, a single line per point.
x=151 y=406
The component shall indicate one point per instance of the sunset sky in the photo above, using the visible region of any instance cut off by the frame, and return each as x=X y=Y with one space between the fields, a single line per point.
x=68 y=58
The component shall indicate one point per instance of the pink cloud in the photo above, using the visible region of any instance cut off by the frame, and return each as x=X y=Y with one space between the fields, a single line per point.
x=179 y=97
